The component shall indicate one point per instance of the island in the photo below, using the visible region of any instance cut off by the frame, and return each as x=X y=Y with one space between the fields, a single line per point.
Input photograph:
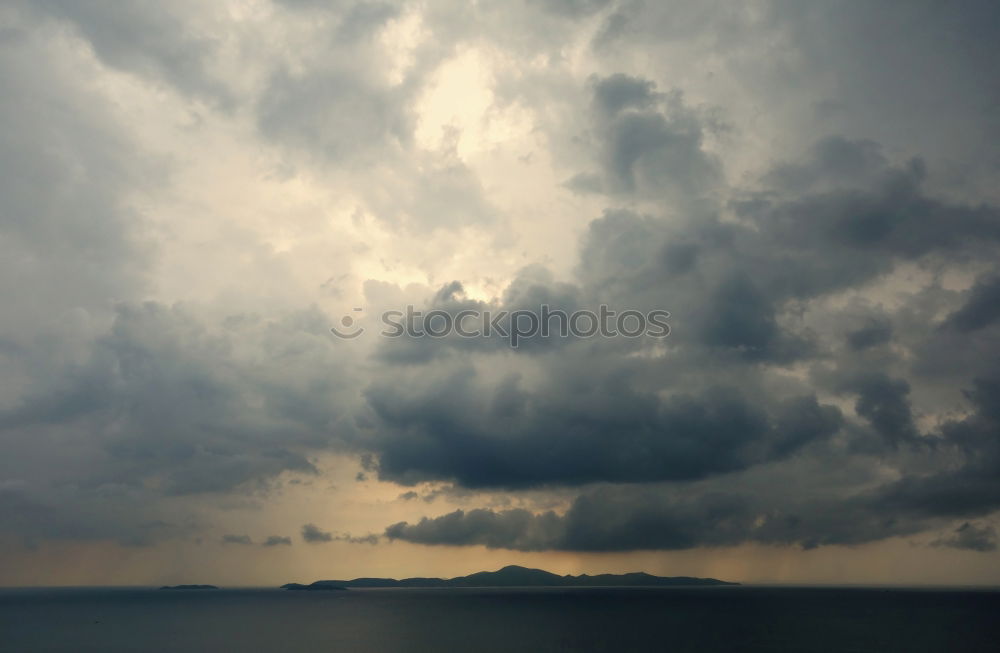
x=318 y=586
x=189 y=587
x=515 y=576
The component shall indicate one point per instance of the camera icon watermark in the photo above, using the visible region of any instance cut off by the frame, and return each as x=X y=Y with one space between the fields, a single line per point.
x=515 y=327
x=349 y=330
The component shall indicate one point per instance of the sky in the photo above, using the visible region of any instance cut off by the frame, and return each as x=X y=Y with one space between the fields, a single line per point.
x=193 y=194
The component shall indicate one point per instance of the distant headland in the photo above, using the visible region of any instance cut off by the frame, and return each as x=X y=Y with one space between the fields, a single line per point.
x=514 y=576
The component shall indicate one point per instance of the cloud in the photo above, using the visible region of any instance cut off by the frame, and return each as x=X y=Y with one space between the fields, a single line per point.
x=634 y=519
x=338 y=115
x=156 y=357
x=981 y=309
x=582 y=434
x=67 y=222
x=737 y=294
x=241 y=425
x=747 y=298
x=312 y=534
x=971 y=537
x=277 y=540
x=884 y=403
x=510 y=529
x=650 y=143
x=148 y=40
x=872 y=334
x=742 y=509
x=237 y=539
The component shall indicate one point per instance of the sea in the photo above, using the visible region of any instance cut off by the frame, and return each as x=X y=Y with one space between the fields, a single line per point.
x=743 y=618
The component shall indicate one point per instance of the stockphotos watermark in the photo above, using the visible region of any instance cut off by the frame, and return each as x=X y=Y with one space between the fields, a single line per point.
x=513 y=326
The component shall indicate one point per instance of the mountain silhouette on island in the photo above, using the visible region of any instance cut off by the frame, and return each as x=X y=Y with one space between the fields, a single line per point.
x=514 y=576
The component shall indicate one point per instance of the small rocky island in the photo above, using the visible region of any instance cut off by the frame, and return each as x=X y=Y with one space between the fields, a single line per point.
x=189 y=587
x=515 y=576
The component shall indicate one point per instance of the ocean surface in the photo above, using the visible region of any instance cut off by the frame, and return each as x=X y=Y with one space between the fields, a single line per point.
x=727 y=619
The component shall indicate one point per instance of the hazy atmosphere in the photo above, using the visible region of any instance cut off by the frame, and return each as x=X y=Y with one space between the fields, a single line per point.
x=193 y=195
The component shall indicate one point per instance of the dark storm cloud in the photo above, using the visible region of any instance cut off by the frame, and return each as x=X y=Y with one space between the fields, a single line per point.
x=972 y=488
x=592 y=431
x=163 y=397
x=632 y=519
x=982 y=308
x=734 y=510
x=509 y=529
x=169 y=409
x=649 y=143
x=613 y=519
x=871 y=335
x=884 y=402
x=741 y=318
x=892 y=217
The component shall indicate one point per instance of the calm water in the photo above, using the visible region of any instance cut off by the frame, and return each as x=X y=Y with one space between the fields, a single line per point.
x=383 y=621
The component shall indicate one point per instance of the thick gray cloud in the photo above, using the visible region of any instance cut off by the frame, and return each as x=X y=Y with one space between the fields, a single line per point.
x=648 y=143
x=168 y=406
x=872 y=334
x=277 y=540
x=237 y=539
x=883 y=402
x=630 y=517
x=161 y=396
x=981 y=310
x=589 y=431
